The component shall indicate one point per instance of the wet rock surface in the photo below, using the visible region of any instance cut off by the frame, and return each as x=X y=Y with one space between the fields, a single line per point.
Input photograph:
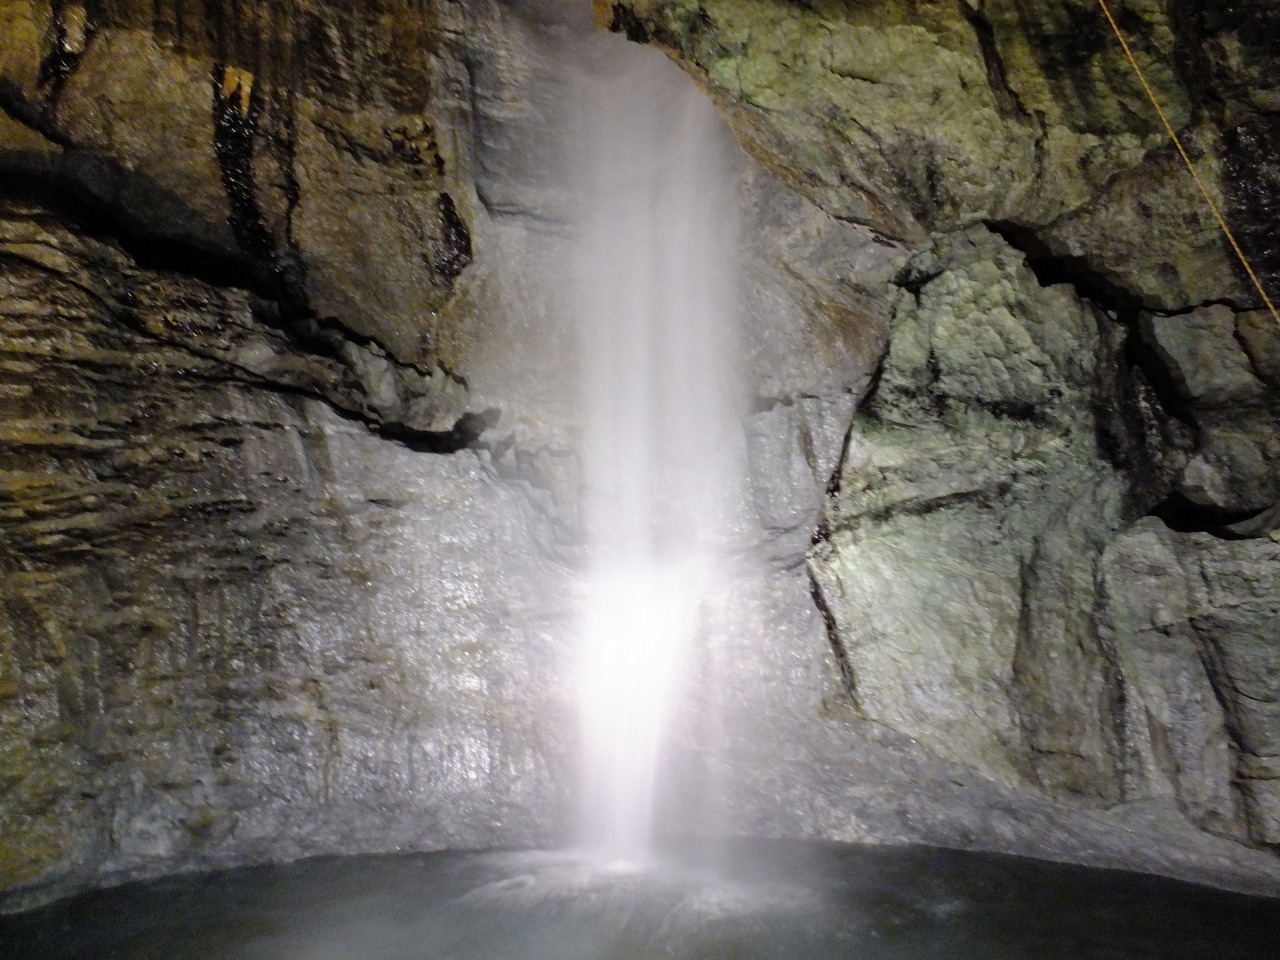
x=1020 y=424
x=986 y=591
x=288 y=489
x=302 y=142
x=914 y=117
x=1193 y=620
x=958 y=555
x=220 y=638
x=1217 y=362
x=276 y=584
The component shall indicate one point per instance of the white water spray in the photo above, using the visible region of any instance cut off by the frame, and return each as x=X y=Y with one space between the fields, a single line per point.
x=657 y=299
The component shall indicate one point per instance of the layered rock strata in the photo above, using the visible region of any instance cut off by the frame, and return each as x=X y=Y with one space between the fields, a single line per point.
x=239 y=622
x=234 y=623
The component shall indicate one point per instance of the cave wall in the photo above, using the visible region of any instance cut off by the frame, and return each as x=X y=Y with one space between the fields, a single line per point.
x=264 y=595
x=1078 y=367
x=289 y=540
x=984 y=573
x=290 y=530
x=237 y=625
x=920 y=116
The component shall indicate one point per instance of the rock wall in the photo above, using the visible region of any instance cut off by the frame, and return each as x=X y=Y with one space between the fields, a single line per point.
x=266 y=592
x=289 y=537
x=305 y=141
x=989 y=592
x=958 y=556
x=290 y=497
x=1076 y=414
x=236 y=625
x=931 y=116
x=1193 y=621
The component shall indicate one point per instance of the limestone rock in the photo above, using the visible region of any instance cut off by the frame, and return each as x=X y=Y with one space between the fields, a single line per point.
x=1236 y=466
x=1201 y=353
x=908 y=116
x=26 y=27
x=794 y=449
x=152 y=113
x=814 y=330
x=308 y=633
x=226 y=325
x=1175 y=726
x=246 y=247
x=234 y=625
x=981 y=594
x=1195 y=622
x=214 y=127
x=1259 y=333
x=961 y=547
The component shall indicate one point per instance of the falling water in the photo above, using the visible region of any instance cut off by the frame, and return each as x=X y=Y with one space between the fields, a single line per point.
x=656 y=301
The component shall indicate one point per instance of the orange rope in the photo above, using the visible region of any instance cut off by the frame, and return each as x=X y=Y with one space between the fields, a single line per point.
x=1177 y=142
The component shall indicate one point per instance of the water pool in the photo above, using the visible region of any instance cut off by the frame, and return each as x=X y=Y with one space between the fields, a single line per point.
x=759 y=900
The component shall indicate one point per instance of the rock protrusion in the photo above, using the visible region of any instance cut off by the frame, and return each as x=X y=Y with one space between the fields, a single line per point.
x=973 y=508
x=1219 y=364
x=1195 y=620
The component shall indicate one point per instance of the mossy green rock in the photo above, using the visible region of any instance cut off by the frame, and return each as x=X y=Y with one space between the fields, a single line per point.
x=928 y=116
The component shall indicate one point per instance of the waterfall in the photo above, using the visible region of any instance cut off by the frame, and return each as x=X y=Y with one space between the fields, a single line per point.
x=656 y=303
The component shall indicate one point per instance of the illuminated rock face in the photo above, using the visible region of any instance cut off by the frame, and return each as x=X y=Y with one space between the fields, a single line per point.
x=290 y=537
x=987 y=589
x=288 y=572
x=960 y=551
x=971 y=558
x=236 y=624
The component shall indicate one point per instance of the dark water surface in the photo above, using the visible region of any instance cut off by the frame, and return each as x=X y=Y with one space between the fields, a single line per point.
x=761 y=900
